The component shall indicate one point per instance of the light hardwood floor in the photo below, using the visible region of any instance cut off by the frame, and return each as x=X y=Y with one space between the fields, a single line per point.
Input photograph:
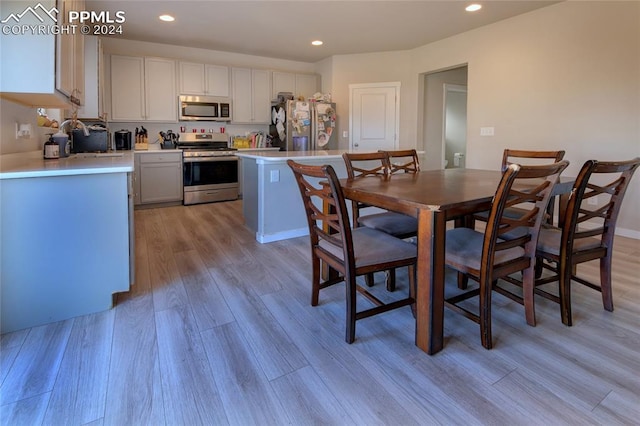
x=219 y=330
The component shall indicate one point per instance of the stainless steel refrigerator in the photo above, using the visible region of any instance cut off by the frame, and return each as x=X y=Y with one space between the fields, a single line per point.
x=303 y=125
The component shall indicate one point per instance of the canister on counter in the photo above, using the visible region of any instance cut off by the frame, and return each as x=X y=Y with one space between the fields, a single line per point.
x=51 y=149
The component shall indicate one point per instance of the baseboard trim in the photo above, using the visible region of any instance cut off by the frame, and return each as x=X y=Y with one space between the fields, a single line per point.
x=279 y=236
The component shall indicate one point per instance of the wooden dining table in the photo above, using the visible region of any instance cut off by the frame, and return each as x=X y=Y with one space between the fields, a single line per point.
x=434 y=197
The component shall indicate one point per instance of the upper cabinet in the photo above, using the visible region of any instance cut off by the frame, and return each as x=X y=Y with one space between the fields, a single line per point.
x=93 y=80
x=305 y=85
x=50 y=69
x=70 y=55
x=251 y=91
x=203 y=79
x=143 y=89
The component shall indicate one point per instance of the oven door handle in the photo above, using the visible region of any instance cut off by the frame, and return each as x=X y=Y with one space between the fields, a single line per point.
x=209 y=159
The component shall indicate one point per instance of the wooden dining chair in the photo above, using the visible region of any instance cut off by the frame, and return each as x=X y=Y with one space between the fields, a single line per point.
x=587 y=232
x=361 y=165
x=524 y=157
x=347 y=252
x=487 y=256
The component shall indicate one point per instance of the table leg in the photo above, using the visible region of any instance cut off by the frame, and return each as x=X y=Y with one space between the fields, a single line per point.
x=430 y=281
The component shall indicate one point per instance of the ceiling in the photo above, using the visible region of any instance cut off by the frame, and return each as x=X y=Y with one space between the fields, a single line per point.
x=285 y=29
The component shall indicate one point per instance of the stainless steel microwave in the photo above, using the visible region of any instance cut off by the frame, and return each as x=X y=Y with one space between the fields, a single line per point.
x=204 y=108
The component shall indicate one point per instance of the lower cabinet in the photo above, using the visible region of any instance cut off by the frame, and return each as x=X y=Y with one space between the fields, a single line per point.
x=158 y=177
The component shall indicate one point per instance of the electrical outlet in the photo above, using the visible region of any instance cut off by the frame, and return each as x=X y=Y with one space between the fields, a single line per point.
x=345 y=134
x=23 y=131
x=593 y=201
x=487 y=131
x=275 y=176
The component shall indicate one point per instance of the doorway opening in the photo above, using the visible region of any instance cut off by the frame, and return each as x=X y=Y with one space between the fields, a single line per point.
x=444 y=117
x=454 y=126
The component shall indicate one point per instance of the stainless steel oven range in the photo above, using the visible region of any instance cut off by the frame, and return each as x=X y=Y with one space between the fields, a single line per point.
x=210 y=168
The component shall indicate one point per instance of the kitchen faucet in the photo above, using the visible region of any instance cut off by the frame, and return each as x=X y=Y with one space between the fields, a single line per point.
x=77 y=122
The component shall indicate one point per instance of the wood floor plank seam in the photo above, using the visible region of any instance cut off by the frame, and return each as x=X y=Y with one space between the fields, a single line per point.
x=218 y=329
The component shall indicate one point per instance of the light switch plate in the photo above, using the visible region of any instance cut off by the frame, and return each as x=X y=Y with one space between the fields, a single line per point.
x=275 y=176
x=487 y=131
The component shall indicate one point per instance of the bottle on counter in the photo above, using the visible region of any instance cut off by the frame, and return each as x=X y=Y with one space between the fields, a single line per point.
x=51 y=148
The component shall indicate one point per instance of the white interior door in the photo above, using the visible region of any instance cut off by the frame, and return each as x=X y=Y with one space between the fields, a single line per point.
x=374 y=116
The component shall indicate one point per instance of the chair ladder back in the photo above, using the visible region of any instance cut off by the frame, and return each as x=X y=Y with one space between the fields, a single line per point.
x=509 y=154
x=405 y=161
x=360 y=164
x=377 y=165
x=494 y=228
x=603 y=214
x=324 y=223
x=527 y=225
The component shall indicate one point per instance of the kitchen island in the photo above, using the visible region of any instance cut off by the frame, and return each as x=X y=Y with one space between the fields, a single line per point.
x=272 y=206
x=66 y=239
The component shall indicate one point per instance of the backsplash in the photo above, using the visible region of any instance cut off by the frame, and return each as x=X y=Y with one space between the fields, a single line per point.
x=12 y=113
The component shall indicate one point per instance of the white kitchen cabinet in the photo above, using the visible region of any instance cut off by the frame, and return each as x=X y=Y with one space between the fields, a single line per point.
x=283 y=82
x=136 y=179
x=93 y=80
x=251 y=92
x=127 y=88
x=143 y=89
x=298 y=84
x=160 y=177
x=161 y=100
x=70 y=55
x=203 y=79
x=40 y=70
x=306 y=85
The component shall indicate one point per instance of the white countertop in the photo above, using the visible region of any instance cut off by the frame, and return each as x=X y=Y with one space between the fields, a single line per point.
x=279 y=156
x=272 y=149
x=32 y=164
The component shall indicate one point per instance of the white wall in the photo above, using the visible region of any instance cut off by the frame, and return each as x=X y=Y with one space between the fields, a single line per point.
x=566 y=76
x=373 y=68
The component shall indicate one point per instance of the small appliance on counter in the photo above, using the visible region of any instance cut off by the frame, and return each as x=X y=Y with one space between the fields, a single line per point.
x=122 y=140
x=97 y=141
x=62 y=139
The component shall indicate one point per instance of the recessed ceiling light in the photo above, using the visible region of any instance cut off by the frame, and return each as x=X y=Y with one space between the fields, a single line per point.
x=167 y=18
x=317 y=42
x=473 y=7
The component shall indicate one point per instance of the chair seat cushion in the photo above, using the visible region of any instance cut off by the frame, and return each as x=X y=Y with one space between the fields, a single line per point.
x=392 y=223
x=371 y=246
x=551 y=236
x=464 y=247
